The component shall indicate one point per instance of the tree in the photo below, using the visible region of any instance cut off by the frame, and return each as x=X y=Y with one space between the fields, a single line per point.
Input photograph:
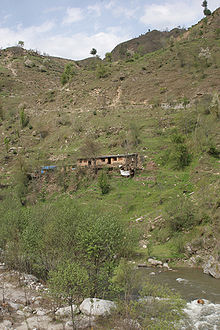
x=103 y=241
x=103 y=183
x=179 y=155
x=93 y=51
x=68 y=73
x=70 y=281
x=24 y=119
x=21 y=43
x=206 y=11
x=108 y=57
x=126 y=280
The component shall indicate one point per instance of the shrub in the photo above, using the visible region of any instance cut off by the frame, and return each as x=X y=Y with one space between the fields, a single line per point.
x=213 y=151
x=103 y=183
x=1 y=113
x=187 y=123
x=181 y=214
x=131 y=313
x=68 y=73
x=108 y=57
x=102 y=71
x=179 y=155
x=24 y=119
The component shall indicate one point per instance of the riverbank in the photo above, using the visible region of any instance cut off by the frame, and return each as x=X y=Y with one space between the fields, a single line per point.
x=25 y=303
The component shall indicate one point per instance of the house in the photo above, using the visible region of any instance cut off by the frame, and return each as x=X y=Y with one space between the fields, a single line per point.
x=109 y=161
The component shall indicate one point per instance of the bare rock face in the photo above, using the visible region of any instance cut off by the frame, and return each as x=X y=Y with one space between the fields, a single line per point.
x=212 y=267
x=96 y=307
x=29 y=64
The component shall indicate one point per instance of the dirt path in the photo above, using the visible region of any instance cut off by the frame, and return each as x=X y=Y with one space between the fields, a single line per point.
x=13 y=71
x=116 y=99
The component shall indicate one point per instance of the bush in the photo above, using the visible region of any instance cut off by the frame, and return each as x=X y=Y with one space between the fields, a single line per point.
x=181 y=214
x=213 y=151
x=68 y=73
x=102 y=71
x=103 y=183
x=24 y=119
x=1 y=112
x=179 y=155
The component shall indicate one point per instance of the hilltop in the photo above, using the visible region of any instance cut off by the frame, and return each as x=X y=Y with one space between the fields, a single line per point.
x=145 y=43
x=161 y=101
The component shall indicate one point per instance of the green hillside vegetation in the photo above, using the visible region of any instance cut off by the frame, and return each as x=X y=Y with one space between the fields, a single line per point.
x=164 y=105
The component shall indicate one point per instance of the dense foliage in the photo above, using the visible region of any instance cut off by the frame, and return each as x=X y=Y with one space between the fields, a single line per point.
x=40 y=238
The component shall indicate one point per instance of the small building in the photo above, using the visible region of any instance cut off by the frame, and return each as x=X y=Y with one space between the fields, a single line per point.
x=109 y=161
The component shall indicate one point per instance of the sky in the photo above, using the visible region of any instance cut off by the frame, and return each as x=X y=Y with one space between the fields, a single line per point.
x=71 y=28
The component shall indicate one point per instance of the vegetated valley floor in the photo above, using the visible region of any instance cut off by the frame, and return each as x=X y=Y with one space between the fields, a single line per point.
x=163 y=105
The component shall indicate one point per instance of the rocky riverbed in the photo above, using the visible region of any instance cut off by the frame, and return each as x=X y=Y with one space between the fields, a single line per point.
x=25 y=304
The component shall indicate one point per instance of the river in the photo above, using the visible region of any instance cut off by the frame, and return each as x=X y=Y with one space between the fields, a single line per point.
x=192 y=284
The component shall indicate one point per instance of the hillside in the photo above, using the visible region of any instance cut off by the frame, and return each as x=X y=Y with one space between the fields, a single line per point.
x=145 y=43
x=162 y=103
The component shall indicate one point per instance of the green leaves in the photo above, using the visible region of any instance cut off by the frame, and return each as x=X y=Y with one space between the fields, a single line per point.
x=179 y=155
x=48 y=237
x=104 y=183
x=69 y=280
x=181 y=214
x=68 y=73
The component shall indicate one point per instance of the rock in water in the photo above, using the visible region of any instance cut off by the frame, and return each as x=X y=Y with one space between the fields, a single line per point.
x=96 y=307
x=212 y=267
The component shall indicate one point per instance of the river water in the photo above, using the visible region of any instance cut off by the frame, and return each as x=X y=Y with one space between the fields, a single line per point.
x=192 y=284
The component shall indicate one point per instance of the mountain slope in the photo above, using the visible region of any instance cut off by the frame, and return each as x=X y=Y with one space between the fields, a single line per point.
x=163 y=105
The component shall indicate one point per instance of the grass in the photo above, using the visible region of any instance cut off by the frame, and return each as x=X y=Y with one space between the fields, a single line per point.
x=150 y=191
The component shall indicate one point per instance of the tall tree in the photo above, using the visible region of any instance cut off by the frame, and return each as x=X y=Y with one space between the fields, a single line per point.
x=206 y=11
x=70 y=281
x=21 y=43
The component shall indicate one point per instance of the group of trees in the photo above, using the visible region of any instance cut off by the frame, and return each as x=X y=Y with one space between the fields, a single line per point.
x=206 y=11
x=42 y=238
x=81 y=253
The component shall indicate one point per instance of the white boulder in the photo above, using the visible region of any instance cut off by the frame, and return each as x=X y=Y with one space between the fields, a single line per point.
x=96 y=307
x=66 y=311
x=155 y=262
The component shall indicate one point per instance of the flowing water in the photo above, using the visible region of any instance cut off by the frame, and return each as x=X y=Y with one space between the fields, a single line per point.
x=192 y=284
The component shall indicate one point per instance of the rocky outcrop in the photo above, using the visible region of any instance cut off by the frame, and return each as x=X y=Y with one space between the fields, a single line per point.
x=212 y=267
x=96 y=307
x=29 y=64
